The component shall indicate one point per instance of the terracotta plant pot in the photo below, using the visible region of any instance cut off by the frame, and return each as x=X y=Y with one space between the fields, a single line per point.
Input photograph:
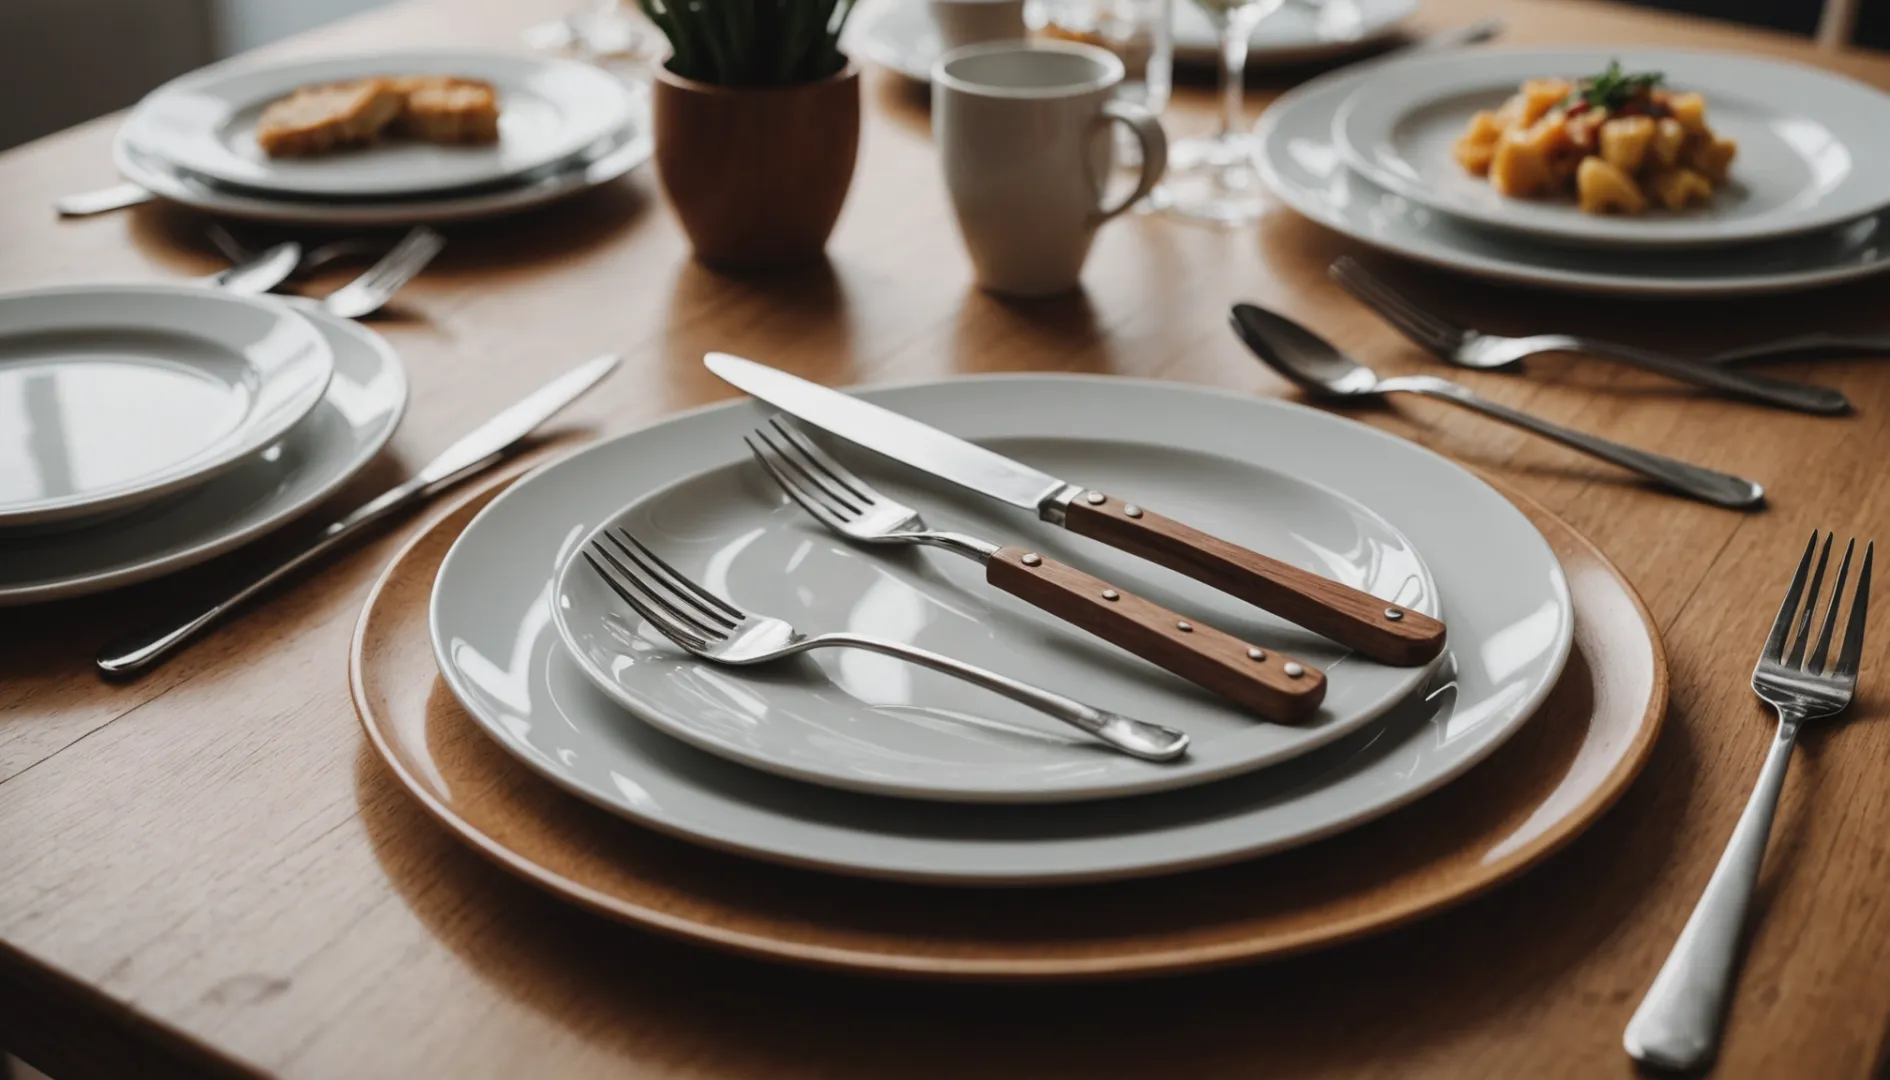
x=757 y=174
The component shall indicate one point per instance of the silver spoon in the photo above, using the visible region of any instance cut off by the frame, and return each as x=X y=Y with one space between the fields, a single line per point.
x=1317 y=366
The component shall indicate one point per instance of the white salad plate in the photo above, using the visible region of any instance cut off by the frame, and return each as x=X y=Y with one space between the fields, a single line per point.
x=355 y=417
x=1304 y=169
x=115 y=395
x=204 y=123
x=1811 y=149
x=873 y=723
x=900 y=35
x=608 y=160
x=491 y=619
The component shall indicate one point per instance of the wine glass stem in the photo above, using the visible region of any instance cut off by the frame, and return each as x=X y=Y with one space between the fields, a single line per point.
x=1236 y=32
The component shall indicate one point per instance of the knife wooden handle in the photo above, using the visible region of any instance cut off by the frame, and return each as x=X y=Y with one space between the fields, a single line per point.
x=1195 y=651
x=1348 y=616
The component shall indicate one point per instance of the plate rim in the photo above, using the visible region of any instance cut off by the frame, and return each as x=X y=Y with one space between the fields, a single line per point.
x=249 y=436
x=1501 y=268
x=1602 y=231
x=991 y=797
x=622 y=110
x=985 y=879
x=211 y=546
x=1485 y=878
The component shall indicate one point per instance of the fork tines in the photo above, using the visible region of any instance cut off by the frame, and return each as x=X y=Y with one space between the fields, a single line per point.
x=683 y=611
x=1776 y=652
x=1414 y=322
x=822 y=486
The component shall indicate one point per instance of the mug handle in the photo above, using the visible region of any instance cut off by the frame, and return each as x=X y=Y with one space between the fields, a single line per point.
x=1148 y=132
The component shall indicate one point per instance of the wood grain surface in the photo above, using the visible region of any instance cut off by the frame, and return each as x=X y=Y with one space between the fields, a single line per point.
x=1351 y=617
x=1190 y=648
x=207 y=872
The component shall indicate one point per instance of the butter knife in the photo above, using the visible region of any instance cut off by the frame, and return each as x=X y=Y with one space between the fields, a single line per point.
x=472 y=454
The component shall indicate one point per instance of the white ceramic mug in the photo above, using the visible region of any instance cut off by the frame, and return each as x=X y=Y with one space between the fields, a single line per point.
x=974 y=22
x=1022 y=133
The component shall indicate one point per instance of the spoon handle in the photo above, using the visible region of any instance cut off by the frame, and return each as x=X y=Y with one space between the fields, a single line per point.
x=1720 y=489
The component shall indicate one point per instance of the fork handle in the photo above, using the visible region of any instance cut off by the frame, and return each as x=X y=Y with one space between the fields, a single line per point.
x=1388 y=633
x=1717 y=488
x=1677 y=1025
x=1803 y=397
x=1137 y=738
x=1271 y=684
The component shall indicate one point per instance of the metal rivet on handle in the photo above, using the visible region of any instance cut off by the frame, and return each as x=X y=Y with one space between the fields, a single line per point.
x=1095 y=498
x=1256 y=654
x=1031 y=558
x=1393 y=614
x=1184 y=627
x=1293 y=671
x=1111 y=594
x=1132 y=510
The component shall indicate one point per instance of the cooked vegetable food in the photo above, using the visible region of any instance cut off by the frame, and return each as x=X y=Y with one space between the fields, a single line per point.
x=1620 y=142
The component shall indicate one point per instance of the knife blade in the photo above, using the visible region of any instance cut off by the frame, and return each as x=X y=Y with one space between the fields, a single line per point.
x=475 y=452
x=1388 y=633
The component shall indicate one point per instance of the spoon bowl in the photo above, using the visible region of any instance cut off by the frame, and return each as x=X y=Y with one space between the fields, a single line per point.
x=1310 y=361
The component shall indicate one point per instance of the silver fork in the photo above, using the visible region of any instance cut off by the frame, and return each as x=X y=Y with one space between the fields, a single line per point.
x=1677 y=1024
x=373 y=289
x=1272 y=684
x=716 y=630
x=1470 y=348
x=313 y=260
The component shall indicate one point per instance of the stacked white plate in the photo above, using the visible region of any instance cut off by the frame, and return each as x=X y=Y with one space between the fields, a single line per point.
x=564 y=127
x=857 y=763
x=146 y=428
x=1367 y=152
x=900 y=34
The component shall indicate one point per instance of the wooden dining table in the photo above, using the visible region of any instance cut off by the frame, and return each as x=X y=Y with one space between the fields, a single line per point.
x=206 y=871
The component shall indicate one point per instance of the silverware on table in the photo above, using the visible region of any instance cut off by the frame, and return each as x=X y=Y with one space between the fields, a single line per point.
x=1677 y=1025
x=259 y=273
x=484 y=447
x=101 y=200
x=1389 y=634
x=373 y=289
x=710 y=627
x=1320 y=368
x=313 y=260
x=1271 y=684
x=1465 y=347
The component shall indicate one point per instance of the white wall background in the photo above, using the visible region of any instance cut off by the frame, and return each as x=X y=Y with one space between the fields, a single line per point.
x=66 y=61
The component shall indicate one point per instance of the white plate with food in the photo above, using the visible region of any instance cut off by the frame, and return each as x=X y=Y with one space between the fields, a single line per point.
x=495 y=641
x=873 y=723
x=382 y=124
x=900 y=34
x=353 y=420
x=609 y=160
x=1303 y=168
x=116 y=395
x=1622 y=147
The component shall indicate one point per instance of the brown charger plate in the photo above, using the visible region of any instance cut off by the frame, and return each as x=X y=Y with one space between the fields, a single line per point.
x=1537 y=792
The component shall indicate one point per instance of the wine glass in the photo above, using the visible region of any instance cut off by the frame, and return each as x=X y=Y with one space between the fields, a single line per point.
x=1213 y=178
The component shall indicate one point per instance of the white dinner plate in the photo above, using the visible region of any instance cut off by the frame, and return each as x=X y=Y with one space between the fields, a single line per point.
x=1811 y=153
x=873 y=723
x=354 y=419
x=115 y=395
x=608 y=160
x=1505 y=598
x=205 y=123
x=899 y=34
x=1303 y=168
